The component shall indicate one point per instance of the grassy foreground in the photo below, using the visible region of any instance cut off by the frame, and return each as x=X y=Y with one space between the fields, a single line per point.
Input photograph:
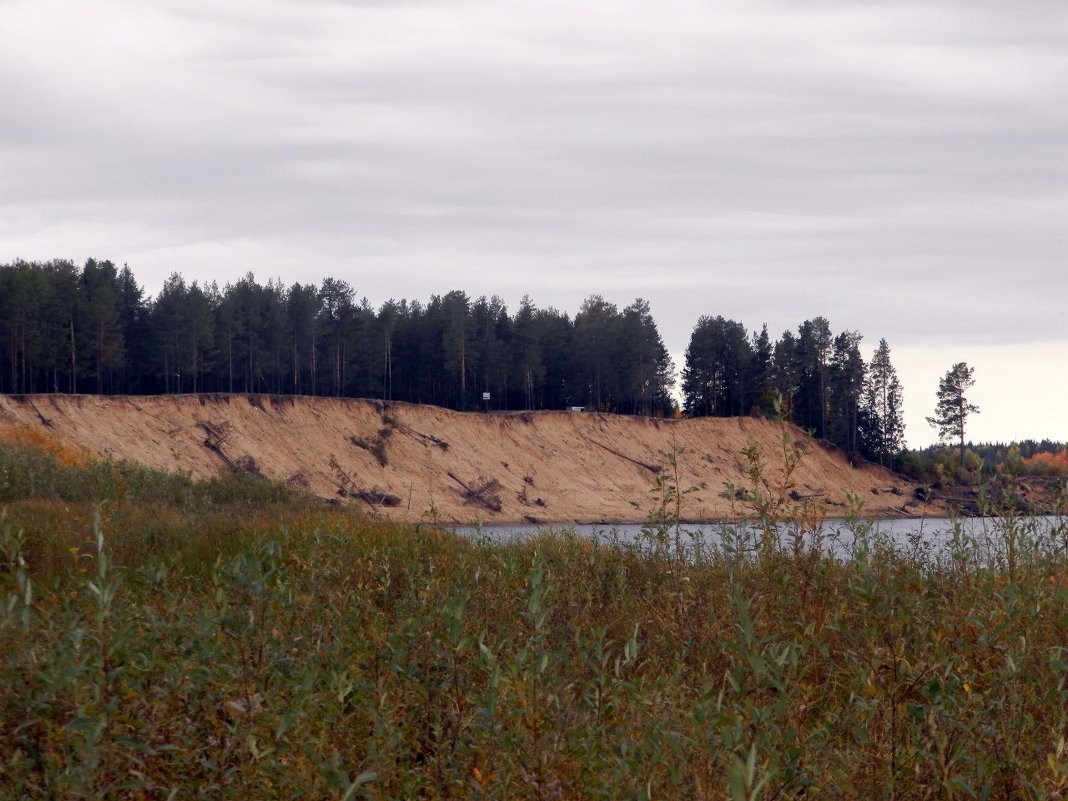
x=164 y=638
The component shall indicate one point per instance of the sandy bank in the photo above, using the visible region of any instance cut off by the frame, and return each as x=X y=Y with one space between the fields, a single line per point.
x=411 y=461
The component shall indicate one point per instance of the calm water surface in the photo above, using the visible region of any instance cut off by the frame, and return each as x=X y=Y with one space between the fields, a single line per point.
x=935 y=536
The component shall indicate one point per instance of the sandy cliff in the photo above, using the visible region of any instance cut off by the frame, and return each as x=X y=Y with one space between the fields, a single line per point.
x=406 y=460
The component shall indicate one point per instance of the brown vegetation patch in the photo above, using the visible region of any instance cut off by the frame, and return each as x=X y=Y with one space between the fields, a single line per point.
x=426 y=439
x=348 y=487
x=484 y=492
x=247 y=464
x=299 y=480
x=376 y=445
x=377 y=497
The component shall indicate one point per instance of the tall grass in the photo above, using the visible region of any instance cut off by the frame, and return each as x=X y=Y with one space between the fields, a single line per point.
x=232 y=640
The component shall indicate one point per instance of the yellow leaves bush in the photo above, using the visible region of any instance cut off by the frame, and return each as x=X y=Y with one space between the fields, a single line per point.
x=24 y=436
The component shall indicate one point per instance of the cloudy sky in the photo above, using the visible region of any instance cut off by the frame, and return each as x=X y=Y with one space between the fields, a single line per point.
x=900 y=168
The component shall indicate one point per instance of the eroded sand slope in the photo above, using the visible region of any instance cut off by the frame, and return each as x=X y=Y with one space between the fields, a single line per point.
x=542 y=466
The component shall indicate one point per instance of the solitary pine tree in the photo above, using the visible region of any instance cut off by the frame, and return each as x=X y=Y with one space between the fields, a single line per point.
x=953 y=407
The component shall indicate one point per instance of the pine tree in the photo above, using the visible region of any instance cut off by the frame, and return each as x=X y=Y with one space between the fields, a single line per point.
x=719 y=366
x=133 y=323
x=595 y=346
x=302 y=310
x=813 y=349
x=99 y=288
x=761 y=381
x=528 y=370
x=953 y=408
x=845 y=387
x=785 y=374
x=882 y=427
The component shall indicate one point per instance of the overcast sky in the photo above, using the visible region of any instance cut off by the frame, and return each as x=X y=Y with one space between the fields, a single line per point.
x=900 y=168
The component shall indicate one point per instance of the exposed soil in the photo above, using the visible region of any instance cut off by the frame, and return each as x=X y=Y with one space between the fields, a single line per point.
x=408 y=462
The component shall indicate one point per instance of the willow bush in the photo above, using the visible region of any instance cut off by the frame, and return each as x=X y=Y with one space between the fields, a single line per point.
x=231 y=639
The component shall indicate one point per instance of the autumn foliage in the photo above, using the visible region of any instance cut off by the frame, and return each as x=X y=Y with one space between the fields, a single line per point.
x=1047 y=464
x=23 y=436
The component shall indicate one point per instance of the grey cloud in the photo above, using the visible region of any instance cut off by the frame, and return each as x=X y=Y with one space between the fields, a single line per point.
x=897 y=167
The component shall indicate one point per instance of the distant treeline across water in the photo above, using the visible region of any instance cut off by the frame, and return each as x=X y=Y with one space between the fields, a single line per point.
x=65 y=328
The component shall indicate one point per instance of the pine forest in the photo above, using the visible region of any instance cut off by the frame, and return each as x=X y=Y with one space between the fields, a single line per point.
x=94 y=329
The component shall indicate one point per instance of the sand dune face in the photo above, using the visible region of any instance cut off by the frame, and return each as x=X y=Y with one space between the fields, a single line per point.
x=406 y=461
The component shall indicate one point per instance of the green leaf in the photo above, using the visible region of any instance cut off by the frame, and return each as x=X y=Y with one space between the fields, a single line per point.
x=358 y=782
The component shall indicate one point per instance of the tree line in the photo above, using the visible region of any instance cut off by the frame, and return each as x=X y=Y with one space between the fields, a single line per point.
x=65 y=328
x=941 y=464
x=817 y=379
x=94 y=329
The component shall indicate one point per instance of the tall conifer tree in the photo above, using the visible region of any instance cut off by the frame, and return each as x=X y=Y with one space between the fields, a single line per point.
x=953 y=408
x=882 y=426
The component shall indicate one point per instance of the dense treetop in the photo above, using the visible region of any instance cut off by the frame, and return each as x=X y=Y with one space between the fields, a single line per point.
x=65 y=329
x=813 y=377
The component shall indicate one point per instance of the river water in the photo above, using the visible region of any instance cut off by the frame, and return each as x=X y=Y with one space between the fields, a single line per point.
x=927 y=538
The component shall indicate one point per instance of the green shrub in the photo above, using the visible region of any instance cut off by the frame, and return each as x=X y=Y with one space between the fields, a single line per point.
x=229 y=640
